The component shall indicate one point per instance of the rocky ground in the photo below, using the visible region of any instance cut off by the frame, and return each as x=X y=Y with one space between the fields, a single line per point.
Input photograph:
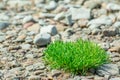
x=27 y=26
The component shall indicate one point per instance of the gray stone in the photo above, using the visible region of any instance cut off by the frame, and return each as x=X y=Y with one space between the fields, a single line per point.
x=113 y=6
x=2 y=38
x=19 y=3
x=50 y=29
x=51 y=6
x=110 y=31
x=34 y=78
x=42 y=39
x=80 y=13
x=108 y=69
x=56 y=73
x=68 y=18
x=116 y=78
x=29 y=56
x=27 y=19
x=25 y=46
x=3 y=25
x=77 y=78
x=116 y=24
x=36 y=66
x=104 y=20
x=59 y=16
x=47 y=15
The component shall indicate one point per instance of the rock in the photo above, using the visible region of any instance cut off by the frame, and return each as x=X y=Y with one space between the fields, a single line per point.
x=100 y=21
x=92 y=4
x=2 y=38
x=59 y=16
x=25 y=46
x=110 y=31
x=116 y=24
x=47 y=15
x=108 y=69
x=19 y=3
x=68 y=18
x=96 y=31
x=27 y=19
x=36 y=66
x=42 y=39
x=115 y=49
x=3 y=25
x=29 y=24
x=55 y=73
x=50 y=29
x=21 y=37
x=99 y=78
x=80 y=13
x=115 y=43
x=112 y=7
x=35 y=28
x=116 y=78
x=77 y=78
x=34 y=78
x=29 y=56
x=82 y=23
x=51 y=6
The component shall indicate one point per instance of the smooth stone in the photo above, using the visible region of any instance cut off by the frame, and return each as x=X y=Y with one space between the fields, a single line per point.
x=112 y=31
x=28 y=24
x=92 y=4
x=3 y=25
x=51 y=6
x=77 y=78
x=19 y=3
x=116 y=24
x=50 y=29
x=34 y=28
x=115 y=49
x=42 y=39
x=2 y=38
x=36 y=66
x=34 y=78
x=29 y=56
x=55 y=73
x=59 y=16
x=68 y=18
x=104 y=20
x=47 y=15
x=25 y=46
x=108 y=69
x=80 y=13
x=113 y=6
x=27 y=19
x=116 y=78
x=115 y=43
x=4 y=17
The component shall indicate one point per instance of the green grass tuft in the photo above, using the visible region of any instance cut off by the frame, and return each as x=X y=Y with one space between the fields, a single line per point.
x=76 y=57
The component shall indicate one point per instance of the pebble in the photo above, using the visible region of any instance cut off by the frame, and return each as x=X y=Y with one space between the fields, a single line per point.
x=108 y=69
x=83 y=13
x=50 y=29
x=51 y=6
x=27 y=19
x=34 y=28
x=42 y=39
x=3 y=25
x=112 y=7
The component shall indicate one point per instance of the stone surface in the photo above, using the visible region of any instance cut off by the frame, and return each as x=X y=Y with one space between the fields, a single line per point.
x=3 y=25
x=42 y=39
x=80 y=13
x=50 y=29
x=108 y=69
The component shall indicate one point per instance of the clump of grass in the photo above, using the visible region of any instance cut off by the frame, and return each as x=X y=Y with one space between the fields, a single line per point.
x=76 y=57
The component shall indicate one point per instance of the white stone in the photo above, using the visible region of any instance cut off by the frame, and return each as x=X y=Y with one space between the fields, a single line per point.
x=42 y=39
x=100 y=21
x=80 y=13
x=113 y=6
x=59 y=16
x=50 y=29
x=27 y=19
x=51 y=6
